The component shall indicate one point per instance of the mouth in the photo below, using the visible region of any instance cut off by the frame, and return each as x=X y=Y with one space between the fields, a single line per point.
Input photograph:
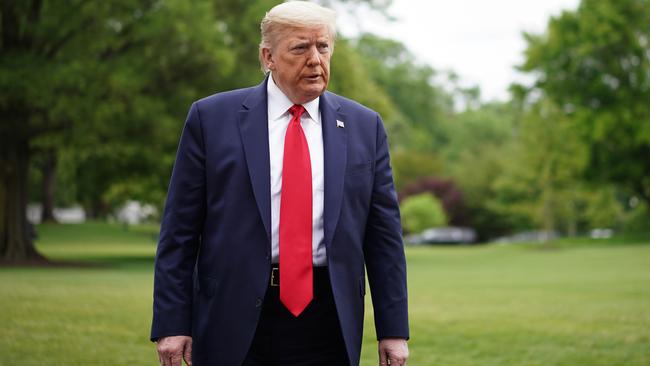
x=312 y=77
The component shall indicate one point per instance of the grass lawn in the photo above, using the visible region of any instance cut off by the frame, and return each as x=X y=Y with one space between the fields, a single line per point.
x=582 y=303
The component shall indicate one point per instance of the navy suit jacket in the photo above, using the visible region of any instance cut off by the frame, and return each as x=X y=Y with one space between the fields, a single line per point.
x=214 y=253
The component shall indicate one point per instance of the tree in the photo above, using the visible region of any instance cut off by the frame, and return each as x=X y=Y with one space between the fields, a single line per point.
x=350 y=77
x=540 y=182
x=240 y=24
x=411 y=166
x=410 y=87
x=593 y=64
x=106 y=86
x=474 y=157
x=105 y=77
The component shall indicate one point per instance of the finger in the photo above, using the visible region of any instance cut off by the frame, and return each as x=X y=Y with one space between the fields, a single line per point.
x=383 y=358
x=187 y=353
x=177 y=359
x=163 y=356
x=401 y=361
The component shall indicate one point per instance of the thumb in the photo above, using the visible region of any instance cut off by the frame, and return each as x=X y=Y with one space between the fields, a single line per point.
x=187 y=352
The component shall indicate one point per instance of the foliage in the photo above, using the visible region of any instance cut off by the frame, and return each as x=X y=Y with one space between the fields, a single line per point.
x=105 y=86
x=600 y=209
x=636 y=219
x=444 y=190
x=133 y=135
x=239 y=23
x=351 y=79
x=538 y=181
x=410 y=87
x=109 y=81
x=541 y=184
x=593 y=64
x=474 y=156
x=409 y=166
x=422 y=211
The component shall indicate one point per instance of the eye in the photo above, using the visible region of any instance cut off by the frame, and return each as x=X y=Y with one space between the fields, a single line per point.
x=323 y=47
x=301 y=48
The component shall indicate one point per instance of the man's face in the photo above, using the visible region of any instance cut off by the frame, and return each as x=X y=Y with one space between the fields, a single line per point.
x=300 y=61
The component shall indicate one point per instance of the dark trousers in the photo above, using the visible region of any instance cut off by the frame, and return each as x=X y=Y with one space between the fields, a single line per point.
x=311 y=339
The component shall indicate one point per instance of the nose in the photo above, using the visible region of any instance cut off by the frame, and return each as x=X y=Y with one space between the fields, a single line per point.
x=313 y=56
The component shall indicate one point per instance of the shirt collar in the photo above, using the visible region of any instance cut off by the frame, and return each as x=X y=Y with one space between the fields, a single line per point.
x=279 y=103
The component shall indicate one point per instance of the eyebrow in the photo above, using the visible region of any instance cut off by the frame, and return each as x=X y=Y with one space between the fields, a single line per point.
x=307 y=41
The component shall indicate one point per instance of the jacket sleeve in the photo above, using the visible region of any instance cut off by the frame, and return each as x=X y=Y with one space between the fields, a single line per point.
x=180 y=235
x=384 y=250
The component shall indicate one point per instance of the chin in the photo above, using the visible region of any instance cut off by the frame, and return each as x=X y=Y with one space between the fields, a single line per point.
x=315 y=90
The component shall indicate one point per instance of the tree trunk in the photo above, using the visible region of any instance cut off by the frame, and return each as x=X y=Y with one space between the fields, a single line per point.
x=16 y=244
x=97 y=209
x=48 y=186
x=549 y=219
x=548 y=207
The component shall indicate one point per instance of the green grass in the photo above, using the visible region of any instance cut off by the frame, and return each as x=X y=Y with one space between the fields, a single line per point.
x=586 y=303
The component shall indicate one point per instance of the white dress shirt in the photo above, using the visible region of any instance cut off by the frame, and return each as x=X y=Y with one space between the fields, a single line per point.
x=279 y=117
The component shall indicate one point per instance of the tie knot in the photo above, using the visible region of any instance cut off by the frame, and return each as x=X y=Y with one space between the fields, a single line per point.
x=296 y=111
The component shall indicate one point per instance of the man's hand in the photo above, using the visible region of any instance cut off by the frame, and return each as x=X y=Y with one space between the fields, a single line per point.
x=172 y=350
x=393 y=351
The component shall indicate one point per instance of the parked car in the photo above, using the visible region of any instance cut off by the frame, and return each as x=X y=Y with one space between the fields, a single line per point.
x=532 y=236
x=443 y=235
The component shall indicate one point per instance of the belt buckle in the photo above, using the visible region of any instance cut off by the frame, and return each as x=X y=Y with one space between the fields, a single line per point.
x=275 y=277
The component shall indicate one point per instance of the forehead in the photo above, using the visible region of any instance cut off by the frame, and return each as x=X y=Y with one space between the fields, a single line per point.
x=299 y=34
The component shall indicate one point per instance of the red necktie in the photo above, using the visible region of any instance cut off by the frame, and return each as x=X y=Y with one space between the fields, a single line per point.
x=296 y=283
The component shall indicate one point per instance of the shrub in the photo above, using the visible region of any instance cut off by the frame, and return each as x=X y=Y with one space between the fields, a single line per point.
x=422 y=211
x=447 y=192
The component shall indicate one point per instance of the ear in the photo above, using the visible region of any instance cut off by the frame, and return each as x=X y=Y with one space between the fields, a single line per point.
x=267 y=56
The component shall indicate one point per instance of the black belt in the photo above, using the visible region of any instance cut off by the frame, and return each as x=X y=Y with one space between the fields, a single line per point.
x=320 y=274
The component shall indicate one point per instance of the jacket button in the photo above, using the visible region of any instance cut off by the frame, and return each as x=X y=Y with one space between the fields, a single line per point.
x=258 y=302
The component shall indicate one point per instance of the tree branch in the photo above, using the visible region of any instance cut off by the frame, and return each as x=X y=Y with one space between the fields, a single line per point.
x=51 y=52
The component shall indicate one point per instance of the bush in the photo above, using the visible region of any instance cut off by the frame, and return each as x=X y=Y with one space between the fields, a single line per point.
x=422 y=211
x=637 y=219
x=444 y=190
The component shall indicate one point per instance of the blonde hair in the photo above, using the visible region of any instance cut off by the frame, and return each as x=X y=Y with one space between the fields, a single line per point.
x=299 y=14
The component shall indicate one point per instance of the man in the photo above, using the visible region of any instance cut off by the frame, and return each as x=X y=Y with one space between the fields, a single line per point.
x=279 y=195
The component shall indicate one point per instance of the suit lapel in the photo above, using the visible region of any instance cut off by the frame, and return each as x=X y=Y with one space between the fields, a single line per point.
x=253 y=126
x=253 y=119
x=335 y=155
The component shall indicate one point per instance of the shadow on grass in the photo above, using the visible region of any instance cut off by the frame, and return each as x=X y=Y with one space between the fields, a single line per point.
x=91 y=262
x=119 y=261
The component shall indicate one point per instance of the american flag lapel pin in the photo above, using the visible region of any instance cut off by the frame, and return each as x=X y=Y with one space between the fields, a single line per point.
x=340 y=124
